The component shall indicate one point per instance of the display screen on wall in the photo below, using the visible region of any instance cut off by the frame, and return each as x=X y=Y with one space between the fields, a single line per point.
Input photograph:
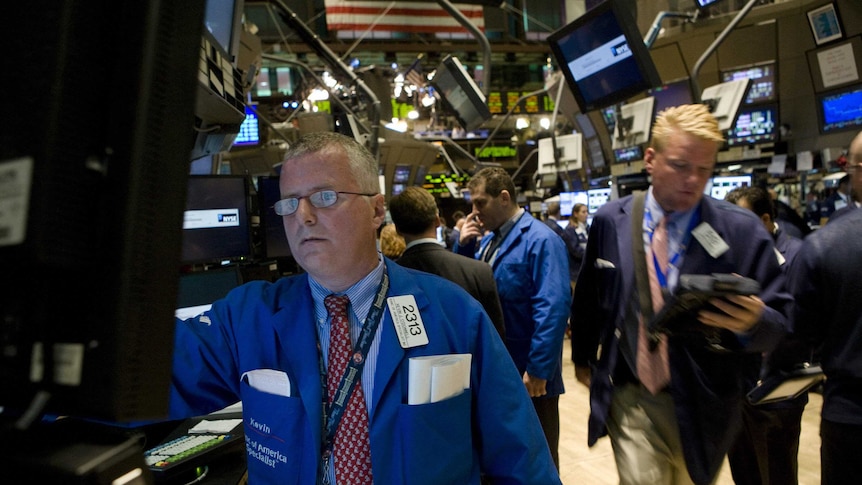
x=840 y=110
x=762 y=87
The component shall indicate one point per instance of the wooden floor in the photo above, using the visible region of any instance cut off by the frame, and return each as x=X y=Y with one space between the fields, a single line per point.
x=581 y=465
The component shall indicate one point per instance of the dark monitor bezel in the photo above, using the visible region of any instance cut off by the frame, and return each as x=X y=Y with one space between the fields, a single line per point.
x=450 y=77
x=660 y=94
x=275 y=245
x=240 y=247
x=647 y=75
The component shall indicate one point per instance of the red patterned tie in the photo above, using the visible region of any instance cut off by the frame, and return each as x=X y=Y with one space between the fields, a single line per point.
x=653 y=365
x=352 y=447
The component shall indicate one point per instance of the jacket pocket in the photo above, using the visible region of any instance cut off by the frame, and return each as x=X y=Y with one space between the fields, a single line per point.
x=436 y=441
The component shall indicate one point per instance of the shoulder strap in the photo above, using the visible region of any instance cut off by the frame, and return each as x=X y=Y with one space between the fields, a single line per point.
x=639 y=255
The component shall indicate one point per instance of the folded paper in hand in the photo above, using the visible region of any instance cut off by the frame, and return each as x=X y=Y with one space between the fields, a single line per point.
x=437 y=377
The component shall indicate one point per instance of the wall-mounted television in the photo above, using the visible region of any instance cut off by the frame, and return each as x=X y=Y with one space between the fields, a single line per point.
x=634 y=123
x=216 y=223
x=724 y=99
x=754 y=125
x=762 y=87
x=720 y=185
x=603 y=56
x=668 y=95
x=460 y=93
x=840 y=110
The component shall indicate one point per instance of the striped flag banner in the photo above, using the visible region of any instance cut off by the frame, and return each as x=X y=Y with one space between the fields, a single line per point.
x=414 y=17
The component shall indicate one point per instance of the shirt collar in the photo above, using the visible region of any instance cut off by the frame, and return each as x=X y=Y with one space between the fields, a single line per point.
x=361 y=294
x=423 y=240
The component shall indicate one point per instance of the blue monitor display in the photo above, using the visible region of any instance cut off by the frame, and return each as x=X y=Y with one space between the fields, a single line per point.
x=249 y=130
x=603 y=56
x=629 y=154
x=762 y=85
x=841 y=110
x=756 y=124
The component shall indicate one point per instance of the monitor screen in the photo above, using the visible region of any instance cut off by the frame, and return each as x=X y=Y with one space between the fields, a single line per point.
x=671 y=94
x=461 y=94
x=722 y=184
x=840 y=110
x=221 y=19
x=199 y=289
x=216 y=223
x=274 y=240
x=402 y=174
x=603 y=57
x=569 y=199
x=597 y=198
x=754 y=124
x=629 y=154
x=249 y=130
x=762 y=86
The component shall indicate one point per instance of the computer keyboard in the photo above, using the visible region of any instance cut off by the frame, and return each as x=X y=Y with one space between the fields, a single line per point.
x=181 y=449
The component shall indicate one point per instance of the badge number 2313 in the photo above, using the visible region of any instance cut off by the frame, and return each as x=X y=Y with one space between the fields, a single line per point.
x=407 y=320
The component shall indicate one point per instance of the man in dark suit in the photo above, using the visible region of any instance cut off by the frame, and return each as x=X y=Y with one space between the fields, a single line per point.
x=672 y=405
x=553 y=220
x=414 y=212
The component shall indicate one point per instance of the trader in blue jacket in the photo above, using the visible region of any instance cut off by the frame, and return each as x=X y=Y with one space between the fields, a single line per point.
x=673 y=424
x=531 y=269
x=266 y=344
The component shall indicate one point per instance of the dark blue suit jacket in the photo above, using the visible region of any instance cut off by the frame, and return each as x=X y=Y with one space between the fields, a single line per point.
x=706 y=386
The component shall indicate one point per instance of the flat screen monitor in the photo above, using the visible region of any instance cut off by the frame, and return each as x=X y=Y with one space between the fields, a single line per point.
x=569 y=199
x=754 y=125
x=222 y=20
x=90 y=251
x=724 y=100
x=634 y=123
x=216 y=221
x=722 y=184
x=668 y=95
x=274 y=240
x=603 y=56
x=762 y=87
x=597 y=198
x=840 y=110
x=461 y=94
x=629 y=154
x=704 y=4
x=569 y=154
x=199 y=289
x=249 y=130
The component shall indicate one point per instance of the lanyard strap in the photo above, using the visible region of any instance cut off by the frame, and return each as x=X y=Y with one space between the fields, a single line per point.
x=332 y=413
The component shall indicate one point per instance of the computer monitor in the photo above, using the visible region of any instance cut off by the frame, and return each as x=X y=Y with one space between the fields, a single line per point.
x=840 y=110
x=633 y=127
x=275 y=244
x=597 y=198
x=762 y=87
x=724 y=100
x=460 y=93
x=722 y=184
x=569 y=154
x=629 y=154
x=216 y=222
x=668 y=95
x=89 y=260
x=754 y=125
x=199 y=289
x=569 y=199
x=249 y=130
x=603 y=57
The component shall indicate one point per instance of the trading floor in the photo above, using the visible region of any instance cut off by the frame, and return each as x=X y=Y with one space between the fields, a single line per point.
x=580 y=465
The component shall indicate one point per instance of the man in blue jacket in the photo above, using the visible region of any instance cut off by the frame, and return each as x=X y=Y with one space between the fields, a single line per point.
x=268 y=345
x=672 y=406
x=531 y=269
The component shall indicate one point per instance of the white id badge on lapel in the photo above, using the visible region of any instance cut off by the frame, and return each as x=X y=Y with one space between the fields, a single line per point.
x=407 y=321
x=710 y=240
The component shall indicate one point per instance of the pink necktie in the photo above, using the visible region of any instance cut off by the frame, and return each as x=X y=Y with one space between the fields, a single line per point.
x=352 y=446
x=653 y=366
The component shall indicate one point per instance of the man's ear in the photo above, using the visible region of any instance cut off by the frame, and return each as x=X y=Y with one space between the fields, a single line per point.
x=505 y=196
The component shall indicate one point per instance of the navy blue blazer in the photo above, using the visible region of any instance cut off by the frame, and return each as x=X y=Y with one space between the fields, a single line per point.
x=706 y=386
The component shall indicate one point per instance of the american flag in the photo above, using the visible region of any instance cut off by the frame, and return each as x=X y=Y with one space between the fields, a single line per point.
x=402 y=16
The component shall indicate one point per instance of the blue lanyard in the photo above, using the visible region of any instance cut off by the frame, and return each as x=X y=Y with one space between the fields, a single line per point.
x=673 y=260
x=332 y=413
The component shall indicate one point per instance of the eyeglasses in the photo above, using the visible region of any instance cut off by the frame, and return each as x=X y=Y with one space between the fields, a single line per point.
x=320 y=199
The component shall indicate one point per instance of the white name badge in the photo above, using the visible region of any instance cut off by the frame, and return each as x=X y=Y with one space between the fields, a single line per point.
x=710 y=240
x=408 y=322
